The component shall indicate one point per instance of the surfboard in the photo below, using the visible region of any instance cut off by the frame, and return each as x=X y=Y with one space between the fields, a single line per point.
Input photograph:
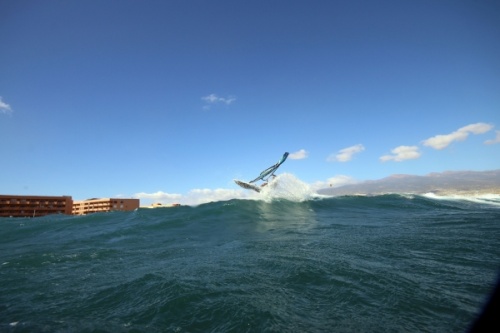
x=247 y=186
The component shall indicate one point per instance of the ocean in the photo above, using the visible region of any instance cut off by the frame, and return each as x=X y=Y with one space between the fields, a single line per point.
x=387 y=263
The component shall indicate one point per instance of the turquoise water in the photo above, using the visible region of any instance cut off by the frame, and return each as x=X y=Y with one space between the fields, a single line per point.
x=386 y=263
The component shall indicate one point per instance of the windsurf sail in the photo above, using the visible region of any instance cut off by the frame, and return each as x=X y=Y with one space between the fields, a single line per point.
x=266 y=174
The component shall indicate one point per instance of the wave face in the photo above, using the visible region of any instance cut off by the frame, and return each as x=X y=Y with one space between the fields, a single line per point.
x=344 y=264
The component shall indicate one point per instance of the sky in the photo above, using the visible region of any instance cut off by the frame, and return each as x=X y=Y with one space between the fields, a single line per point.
x=169 y=101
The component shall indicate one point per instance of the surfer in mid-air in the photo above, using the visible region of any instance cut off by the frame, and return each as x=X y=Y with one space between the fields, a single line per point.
x=264 y=176
x=265 y=183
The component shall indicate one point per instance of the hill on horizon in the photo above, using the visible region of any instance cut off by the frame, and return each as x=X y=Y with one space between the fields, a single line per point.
x=448 y=182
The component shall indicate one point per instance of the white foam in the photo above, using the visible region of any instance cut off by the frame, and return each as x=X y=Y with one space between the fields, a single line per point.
x=484 y=198
x=287 y=186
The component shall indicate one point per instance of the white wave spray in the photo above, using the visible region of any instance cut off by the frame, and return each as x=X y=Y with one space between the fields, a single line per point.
x=287 y=186
x=487 y=199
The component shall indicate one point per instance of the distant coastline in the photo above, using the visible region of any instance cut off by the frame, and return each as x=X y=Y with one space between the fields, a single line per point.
x=444 y=183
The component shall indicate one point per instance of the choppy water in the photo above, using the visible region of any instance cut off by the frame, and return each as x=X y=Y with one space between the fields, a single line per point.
x=387 y=263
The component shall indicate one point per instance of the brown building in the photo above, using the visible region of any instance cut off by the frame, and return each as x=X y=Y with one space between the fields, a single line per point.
x=33 y=206
x=104 y=205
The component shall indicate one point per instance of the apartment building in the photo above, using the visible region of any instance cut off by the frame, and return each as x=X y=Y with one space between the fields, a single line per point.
x=104 y=205
x=34 y=206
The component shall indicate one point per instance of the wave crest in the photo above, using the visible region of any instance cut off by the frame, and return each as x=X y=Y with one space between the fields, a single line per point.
x=287 y=186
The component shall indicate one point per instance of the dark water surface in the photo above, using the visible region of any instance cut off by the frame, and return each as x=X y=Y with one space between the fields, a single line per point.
x=348 y=264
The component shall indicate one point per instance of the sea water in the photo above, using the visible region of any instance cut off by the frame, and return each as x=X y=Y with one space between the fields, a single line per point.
x=294 y=262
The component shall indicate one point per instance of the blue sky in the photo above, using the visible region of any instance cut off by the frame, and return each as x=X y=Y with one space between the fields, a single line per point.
x=171 y=100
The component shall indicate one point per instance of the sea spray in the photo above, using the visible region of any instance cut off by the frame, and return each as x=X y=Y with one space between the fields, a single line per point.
x=287 y=186
x=482 y=198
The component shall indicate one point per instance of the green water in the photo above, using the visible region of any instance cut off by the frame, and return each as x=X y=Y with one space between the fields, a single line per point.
x=348 y=264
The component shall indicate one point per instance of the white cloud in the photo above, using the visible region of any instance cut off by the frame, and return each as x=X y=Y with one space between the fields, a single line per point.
x=200 y=196
x=346 y=154
x=4 y=107
x=336 y=181
x=193 y=197
x=214 y=99
x=159 y=196
x=299 y=155
x=444 y=140
x=402 y=153
x=478 y=128
x=495 y=140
